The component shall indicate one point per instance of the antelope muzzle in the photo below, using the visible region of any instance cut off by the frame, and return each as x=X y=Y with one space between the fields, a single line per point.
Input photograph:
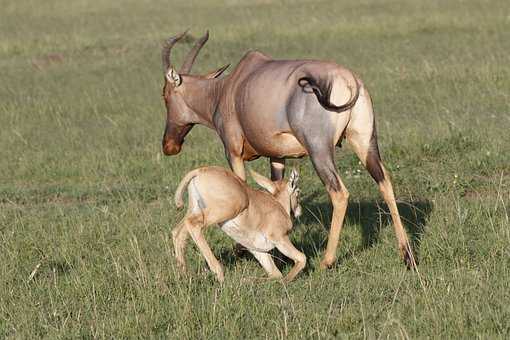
x=170 y=147
x=174 y=138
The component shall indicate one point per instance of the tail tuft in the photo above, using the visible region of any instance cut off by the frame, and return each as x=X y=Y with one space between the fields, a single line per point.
x=322 y=87
x=179 y=203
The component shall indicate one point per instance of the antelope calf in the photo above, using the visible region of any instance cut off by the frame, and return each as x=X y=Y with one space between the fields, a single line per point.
x=258 y=220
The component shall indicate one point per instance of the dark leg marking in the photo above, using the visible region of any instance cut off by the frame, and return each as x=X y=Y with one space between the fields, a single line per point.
x=373 y=161
x=277 y=168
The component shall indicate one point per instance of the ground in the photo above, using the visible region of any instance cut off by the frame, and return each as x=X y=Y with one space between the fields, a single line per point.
x=86 y=196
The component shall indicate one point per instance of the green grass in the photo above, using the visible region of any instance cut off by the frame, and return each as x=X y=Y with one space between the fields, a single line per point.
x=86 y=195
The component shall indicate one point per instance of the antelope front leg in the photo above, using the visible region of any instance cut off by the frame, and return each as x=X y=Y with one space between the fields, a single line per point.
x=237 y=165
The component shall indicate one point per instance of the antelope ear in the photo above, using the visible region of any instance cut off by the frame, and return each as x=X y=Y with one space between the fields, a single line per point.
x=263 y=181
x=173 y=77
x=293 y=178
x=217 y=73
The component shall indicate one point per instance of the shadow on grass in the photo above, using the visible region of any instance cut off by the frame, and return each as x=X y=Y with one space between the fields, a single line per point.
x=371 y=216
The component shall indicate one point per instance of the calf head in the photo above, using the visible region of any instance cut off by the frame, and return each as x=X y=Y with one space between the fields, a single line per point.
x=185 y=95
x=285 y=191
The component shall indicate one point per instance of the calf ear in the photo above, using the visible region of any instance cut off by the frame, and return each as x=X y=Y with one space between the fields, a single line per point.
x=293 y=178
x=217 y=73
x=263 y=181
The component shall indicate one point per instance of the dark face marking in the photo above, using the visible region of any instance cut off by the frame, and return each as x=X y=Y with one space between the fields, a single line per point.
x=174 y=137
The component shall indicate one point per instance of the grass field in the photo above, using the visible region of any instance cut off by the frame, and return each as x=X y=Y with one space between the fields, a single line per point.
x=86 y=194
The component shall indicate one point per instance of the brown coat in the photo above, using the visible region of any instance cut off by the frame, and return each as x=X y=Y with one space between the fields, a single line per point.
x=281 y=109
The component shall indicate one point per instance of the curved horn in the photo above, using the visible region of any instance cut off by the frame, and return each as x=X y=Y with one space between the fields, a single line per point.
x=167 y=47
x=190 y=58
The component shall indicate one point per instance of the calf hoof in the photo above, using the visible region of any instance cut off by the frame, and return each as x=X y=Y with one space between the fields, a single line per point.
x=220 y=277
x=286 y=280
x=181 y=268
x=240 y=251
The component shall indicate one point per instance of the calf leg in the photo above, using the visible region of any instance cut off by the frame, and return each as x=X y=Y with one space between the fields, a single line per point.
x=287 y=248
x=194 y=224
x=180 y=237
x=277 y=168
x=266 y=261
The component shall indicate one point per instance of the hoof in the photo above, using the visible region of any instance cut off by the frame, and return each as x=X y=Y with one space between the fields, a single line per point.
x=240 y=251
x=410 y=259
x=327 y=263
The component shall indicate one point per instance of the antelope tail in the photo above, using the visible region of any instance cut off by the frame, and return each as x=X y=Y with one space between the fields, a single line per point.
x=182 y=186
x=323 y=86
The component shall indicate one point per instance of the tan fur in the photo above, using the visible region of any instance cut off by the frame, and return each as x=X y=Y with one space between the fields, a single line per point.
x=257 y=219
x=179 y=203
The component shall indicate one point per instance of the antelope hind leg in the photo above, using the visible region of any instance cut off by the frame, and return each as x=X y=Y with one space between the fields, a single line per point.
x=361 y=134
x=339 y=196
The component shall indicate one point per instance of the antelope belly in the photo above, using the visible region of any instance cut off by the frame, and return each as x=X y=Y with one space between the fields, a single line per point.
x=251 y=239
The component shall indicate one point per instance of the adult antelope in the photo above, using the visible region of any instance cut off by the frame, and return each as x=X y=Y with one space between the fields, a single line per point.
x=281 y=109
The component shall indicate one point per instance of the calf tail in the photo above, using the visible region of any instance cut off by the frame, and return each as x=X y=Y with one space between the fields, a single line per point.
x=322 y=86
x=183 y=185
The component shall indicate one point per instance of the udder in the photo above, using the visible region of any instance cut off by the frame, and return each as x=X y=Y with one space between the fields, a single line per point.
x=279 y=145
